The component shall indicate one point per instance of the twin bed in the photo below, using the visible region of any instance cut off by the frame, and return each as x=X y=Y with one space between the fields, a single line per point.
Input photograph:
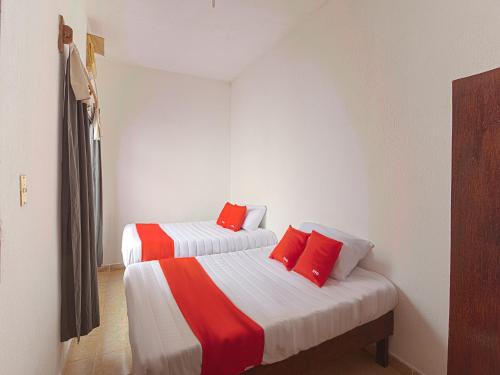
x=294 y=313
x=197 y=238
x=228 y=307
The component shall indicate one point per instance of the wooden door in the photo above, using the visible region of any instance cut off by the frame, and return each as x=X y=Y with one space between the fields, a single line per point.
x=474 y=338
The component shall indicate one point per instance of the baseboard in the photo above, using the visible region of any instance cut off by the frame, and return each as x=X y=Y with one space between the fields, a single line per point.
x=64 y=356
x=111 y=267
x=397 y=363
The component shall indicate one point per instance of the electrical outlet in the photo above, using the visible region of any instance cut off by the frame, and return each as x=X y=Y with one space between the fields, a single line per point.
x=23 y=190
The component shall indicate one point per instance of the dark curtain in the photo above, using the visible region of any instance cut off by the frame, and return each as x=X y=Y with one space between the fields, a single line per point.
x=79 y=293
x=95 y=147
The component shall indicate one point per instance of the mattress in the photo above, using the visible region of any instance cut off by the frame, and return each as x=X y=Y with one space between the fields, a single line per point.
x=198 y=238
x=294 y=313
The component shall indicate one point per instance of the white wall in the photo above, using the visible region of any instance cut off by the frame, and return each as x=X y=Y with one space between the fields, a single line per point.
x=30 y=96
x=347 y=121
x=165 y=148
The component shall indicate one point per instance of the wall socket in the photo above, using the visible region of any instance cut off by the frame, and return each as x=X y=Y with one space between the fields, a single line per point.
x=23 y=190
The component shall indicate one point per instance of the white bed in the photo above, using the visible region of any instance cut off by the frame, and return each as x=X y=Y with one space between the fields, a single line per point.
x=294 y=313
x=197 y=238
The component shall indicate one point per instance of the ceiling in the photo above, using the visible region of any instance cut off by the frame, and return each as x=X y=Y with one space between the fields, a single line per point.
x=188 y=36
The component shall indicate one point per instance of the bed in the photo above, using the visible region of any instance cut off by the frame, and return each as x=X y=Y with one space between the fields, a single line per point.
x=295 y=314
x=197 y=238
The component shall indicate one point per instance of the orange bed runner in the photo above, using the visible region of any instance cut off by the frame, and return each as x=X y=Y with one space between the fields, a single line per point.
x=230 y=341
x=155 y=243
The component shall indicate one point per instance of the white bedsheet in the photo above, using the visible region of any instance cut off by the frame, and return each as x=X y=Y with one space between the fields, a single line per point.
x=198 y=238
x=294 y=313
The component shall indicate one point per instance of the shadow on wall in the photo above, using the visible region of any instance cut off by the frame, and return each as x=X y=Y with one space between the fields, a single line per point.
x=374 y=263
x=406 y=311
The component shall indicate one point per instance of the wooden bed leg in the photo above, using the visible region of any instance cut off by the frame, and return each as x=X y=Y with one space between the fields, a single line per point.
x=382 y=352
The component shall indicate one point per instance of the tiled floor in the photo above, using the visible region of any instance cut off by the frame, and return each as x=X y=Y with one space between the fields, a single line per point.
x=107 y=351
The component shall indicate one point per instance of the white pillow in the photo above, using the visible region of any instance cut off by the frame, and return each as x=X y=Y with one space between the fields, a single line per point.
x=253 y=217
x=353 y=250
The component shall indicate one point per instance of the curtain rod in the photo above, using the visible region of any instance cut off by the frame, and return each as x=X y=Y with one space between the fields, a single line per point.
x=65 y=34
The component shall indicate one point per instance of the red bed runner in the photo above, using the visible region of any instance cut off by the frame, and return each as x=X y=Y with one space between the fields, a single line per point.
x=155 y=243
x=230 y=340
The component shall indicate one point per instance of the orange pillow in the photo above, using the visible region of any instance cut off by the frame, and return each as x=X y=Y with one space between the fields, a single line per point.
x=224 y=214
x=288 y=250
x=318 y=258
x=236 y=217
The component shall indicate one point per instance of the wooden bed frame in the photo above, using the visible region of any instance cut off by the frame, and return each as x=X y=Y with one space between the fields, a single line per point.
x=314 y=359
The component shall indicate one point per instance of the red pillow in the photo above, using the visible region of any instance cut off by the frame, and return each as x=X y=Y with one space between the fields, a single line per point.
x=236 y=217
x=318 y=258
x=288 y=250
x=224 y=214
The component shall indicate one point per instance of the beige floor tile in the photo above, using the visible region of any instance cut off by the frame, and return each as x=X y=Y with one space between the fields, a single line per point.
x=81 y=367
x=117 y=318
x=113 y=341
x=400 y=367
x=102 y=278
x=114 y=285
x=113 y=300
x=358 y=363
x=113 y=306
x=95 y=332
x=86 y=349
x=117 y=363
x=116 y=275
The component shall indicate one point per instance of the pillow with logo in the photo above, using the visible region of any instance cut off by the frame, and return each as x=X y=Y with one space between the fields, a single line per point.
x=353 y=250
x=288 y=250
x=318 y=258
x=236 y=217
x=224 y=214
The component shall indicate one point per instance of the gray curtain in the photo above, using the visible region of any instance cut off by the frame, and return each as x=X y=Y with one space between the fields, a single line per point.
x=95 y=149
x=79 y=298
